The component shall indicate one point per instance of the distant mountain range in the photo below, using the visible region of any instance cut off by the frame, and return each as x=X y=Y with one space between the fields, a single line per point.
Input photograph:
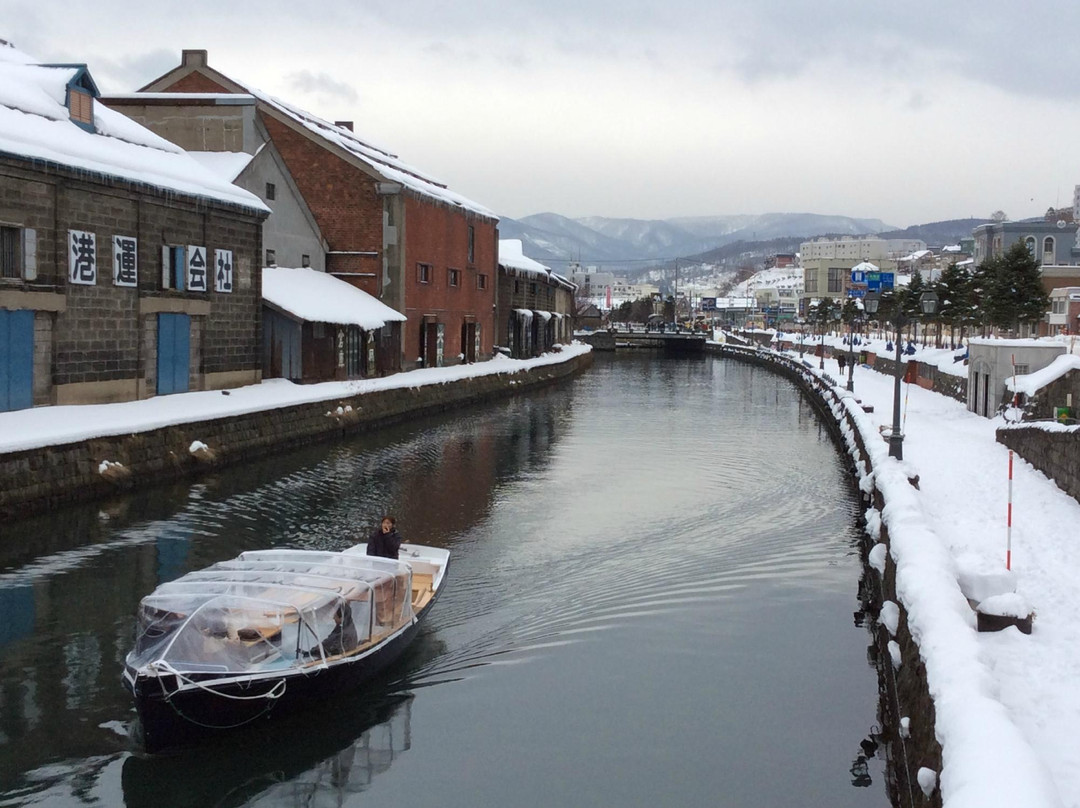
x=555 y=239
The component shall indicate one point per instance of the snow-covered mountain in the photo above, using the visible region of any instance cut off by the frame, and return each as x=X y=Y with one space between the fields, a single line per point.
x=552 y=238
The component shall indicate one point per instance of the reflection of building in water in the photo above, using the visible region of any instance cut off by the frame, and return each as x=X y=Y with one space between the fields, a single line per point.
x=449 y=488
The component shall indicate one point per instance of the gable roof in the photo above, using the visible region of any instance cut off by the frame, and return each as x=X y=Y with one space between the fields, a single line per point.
x=36 y=124
x=384 y=163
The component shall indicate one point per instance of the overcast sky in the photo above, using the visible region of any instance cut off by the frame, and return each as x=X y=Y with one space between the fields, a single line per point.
x=909 y=112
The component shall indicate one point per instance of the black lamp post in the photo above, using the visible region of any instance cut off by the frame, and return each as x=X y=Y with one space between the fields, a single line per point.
x=851 y=355
x=928 y=303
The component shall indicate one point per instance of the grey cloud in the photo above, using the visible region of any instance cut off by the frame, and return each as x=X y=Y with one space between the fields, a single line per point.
x=128 y=73
x=325 y=86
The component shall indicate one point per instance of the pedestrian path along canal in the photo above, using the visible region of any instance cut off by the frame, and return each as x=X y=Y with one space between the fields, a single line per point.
x=650 y=602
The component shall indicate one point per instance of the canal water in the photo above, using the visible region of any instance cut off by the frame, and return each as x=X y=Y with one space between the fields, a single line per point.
x=650 y=602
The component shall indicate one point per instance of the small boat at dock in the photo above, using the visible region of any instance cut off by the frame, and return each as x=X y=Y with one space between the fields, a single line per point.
x=270 y=632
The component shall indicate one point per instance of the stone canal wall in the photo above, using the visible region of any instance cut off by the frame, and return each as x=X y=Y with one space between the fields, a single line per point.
x=1051 y=448
x=37 y=479
x=906 y=693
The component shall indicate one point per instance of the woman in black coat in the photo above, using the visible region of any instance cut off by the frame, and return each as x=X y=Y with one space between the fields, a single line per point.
x=385 y=541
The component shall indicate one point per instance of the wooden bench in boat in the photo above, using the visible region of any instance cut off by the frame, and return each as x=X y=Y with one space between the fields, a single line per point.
x=422 y=590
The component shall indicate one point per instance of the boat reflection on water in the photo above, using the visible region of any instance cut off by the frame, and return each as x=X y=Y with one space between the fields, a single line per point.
x=312 y=760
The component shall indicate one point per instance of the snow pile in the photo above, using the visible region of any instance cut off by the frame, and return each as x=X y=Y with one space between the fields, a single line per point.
x=35 y=124
x=321 y=298
x=1009 y=604
x=53 y=426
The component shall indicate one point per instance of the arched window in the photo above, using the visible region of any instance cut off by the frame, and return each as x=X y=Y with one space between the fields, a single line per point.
x=1030 y=242
x=1048 y=250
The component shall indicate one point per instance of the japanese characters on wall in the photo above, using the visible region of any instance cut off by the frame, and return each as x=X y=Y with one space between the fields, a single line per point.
x=83 y=263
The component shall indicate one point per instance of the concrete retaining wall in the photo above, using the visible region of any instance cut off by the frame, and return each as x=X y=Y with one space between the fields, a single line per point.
x=35 y=480
x=905 y=692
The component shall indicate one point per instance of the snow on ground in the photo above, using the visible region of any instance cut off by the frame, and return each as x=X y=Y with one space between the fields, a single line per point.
x=52 y=426
x=962 y=502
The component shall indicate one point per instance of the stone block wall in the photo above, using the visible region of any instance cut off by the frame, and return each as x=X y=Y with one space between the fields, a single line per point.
x=1054 y=452
x=90 y=342
x=1059 y=393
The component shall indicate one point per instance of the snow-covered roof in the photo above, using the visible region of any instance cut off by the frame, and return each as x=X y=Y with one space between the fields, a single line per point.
x=387 y=164
x=1030 y=383
x=865 y=266
x=36 y=124
x=511 y=255
x=1016 y=343
x=226 y=165
x=321 y=298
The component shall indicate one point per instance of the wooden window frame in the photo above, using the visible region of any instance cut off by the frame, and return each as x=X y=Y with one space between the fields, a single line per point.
x=453 y=277
x=423 y=273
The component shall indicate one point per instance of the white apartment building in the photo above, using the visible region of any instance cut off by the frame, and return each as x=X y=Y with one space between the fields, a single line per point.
x=859 y=248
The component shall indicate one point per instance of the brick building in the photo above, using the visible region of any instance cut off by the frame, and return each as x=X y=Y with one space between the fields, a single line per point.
x=535 y=307
x=391 y=231
x=126 y=269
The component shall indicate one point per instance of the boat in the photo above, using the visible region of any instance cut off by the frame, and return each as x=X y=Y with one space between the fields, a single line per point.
x=270 y=632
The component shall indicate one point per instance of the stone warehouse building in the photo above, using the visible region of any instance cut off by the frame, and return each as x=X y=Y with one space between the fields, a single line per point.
x=126 y=269
x=393 y=232
x=536 y=306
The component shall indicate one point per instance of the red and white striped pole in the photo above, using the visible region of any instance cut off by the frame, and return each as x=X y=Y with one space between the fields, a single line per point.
x=1008 y=527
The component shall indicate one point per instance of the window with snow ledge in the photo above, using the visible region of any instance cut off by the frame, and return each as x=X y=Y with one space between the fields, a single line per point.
x=423 y=273
x=481 y=281
x=454 y=276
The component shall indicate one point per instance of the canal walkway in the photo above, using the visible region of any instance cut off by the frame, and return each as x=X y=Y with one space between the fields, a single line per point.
x=962 y=500
x=51 y=426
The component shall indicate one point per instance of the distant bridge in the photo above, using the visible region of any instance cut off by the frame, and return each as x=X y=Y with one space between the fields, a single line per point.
x=670 y=342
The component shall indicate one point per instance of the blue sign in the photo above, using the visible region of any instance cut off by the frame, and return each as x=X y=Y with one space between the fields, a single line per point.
x=856 y=292
x=858 y=277
x=879 y=281
x=708 y=304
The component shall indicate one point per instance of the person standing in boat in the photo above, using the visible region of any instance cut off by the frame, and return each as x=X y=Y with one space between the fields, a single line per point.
x=385 y=541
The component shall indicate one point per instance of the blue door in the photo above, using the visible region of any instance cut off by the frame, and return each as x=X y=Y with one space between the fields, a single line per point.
x=16 y=359
x=174 y=353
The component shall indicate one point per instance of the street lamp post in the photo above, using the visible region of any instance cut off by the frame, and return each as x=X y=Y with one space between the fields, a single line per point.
x=928 y=303
x=821 y=341
x=851 y=356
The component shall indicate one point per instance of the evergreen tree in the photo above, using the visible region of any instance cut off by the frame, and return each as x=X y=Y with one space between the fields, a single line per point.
x=1014 y=293
x=955 y=300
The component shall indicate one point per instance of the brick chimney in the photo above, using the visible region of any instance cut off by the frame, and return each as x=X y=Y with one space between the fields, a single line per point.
x=193 y=58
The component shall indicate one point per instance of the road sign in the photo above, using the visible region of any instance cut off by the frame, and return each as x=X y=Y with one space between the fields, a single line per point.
x=858 y=277
x=856 y=292
x=879 y=281
x=708 y=304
